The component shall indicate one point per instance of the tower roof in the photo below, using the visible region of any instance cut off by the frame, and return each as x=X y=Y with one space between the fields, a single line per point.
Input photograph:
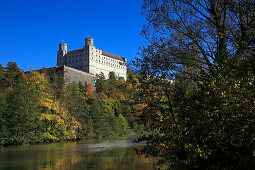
x=75 y=51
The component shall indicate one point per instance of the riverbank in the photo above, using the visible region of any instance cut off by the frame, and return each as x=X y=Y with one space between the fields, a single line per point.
x=130 y=135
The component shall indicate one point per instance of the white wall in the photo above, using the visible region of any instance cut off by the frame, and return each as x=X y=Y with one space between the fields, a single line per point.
x=92 y=60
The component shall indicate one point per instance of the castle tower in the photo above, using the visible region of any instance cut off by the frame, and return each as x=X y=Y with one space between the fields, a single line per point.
x=89 y=42
x=61 y=54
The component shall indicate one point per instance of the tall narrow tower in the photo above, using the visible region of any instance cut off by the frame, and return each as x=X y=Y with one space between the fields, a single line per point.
x=89 y=42
x=61 y=54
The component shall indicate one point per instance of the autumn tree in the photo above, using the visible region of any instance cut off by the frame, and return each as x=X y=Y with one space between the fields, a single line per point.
x=89 y=90
x=193 y=70
x=195 y=34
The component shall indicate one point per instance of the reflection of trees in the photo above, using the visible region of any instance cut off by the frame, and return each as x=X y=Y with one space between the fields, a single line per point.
x=75 y=156
x=120 y=158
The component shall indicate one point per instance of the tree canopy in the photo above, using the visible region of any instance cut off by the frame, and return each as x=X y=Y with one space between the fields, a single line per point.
x=195 y=34
x=197 y=86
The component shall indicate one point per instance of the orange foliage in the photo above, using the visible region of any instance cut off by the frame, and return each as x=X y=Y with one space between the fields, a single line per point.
x=129 y=86
x=103 y=95
x=107 y=108
x=139 y=108
x=114 y=93
x=121 y=96
x=89 y=90
x=24 y=76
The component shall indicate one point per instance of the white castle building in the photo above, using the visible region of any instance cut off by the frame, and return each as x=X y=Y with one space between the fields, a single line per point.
x=92 y=60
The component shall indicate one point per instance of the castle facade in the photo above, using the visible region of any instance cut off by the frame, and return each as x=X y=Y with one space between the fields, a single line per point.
x=92 y=60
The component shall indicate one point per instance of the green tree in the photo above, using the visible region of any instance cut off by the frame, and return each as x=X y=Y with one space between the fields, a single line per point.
x=12 y=73
x=101 y=84
x=101 y=125
x=204 y=48
x=74 y=100
x=22 y=115
x=2 y=77
x=123 y=125
x=112 y=76
x=4 y=132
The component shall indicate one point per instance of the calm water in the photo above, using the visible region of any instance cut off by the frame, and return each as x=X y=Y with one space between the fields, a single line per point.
x=114 y=153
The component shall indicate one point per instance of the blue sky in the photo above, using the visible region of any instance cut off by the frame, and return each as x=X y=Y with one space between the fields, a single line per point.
x=31 y=30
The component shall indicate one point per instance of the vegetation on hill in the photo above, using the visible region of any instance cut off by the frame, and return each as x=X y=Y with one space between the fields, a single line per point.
x=35 y=109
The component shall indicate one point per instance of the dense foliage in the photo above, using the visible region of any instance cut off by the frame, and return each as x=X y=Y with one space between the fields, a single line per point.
x=205 y=116
x=33 y=108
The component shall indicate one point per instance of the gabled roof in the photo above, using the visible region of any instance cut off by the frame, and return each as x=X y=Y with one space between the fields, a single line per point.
x=103 y=53
x=113 y=56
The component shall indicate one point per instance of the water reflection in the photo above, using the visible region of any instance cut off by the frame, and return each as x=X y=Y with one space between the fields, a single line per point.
x=89 y=154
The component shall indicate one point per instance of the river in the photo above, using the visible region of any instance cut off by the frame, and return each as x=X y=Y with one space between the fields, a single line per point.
x=111 y=153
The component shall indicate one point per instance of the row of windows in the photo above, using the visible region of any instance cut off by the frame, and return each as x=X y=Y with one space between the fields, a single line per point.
x=99 y=61
x=73 y=55
x=72 y=61
x=108 y=63
x=98 y=58
x=97 y=51
x=107 y=58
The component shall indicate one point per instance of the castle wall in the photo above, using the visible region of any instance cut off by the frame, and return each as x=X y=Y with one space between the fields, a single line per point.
x=92 y=60
x=75 y=76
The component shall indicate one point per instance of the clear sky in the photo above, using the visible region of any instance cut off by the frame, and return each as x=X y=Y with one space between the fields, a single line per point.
x=31 y=29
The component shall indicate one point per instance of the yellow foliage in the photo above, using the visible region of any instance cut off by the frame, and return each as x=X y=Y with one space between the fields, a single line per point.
x=160 y=116
x=137 y=83
x=37 y=80
x=58 y=116
x=120 y=82
x=129 y=86
x=139 y=108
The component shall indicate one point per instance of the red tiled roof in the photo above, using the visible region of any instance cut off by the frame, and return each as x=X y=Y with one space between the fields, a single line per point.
x=74 y=51
x=113 y=56
x=104 y=53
